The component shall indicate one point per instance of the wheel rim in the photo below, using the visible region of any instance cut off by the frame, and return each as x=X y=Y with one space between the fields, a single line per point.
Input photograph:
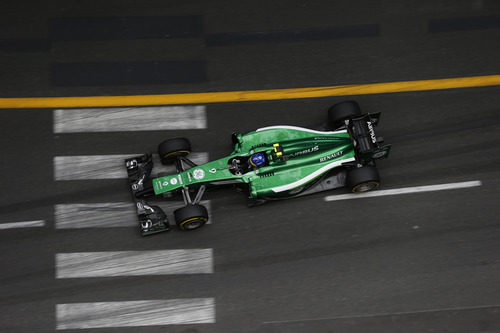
x=193 y=224
x=176 y=153
x=365 y=187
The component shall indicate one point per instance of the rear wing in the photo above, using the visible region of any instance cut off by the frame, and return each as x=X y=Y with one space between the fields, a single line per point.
x=367 y=145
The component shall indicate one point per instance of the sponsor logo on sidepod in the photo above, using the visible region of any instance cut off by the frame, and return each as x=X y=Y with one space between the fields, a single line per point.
x=305 y=151
x=331 y=156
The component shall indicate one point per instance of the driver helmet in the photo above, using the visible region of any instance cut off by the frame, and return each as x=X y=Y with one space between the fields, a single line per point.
x=258 y=159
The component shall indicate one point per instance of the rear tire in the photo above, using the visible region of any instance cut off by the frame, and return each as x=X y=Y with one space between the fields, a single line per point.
x=191 y=217
x=363 y=179
x=170 y=149
x=338 y=113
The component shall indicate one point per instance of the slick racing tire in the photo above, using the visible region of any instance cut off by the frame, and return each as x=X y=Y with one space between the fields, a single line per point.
x=363 y=179
x=338 y=113
x=170 y=149
x=191 y=217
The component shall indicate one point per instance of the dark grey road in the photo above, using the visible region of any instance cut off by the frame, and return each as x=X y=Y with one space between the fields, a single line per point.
x=410 y=263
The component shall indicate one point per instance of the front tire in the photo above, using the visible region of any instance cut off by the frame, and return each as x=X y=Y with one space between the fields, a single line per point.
x=338 y=113
x=191 y=217
x=363 y=179
x=170 y=149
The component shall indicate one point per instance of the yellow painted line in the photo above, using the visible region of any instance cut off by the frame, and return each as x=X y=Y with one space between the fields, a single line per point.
x=251 y=95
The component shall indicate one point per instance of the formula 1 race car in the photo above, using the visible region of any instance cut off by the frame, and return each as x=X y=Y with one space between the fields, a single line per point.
x=269 y=163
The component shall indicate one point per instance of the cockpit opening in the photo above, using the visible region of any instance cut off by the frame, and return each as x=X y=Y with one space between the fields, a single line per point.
x=242 y=164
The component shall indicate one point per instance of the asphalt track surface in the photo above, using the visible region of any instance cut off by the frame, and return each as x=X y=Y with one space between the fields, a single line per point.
x=425 y=262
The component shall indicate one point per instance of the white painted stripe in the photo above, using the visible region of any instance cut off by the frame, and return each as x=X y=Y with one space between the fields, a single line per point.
x=24 y=224
x=111 y=214
x=135 y=313
x=299 y=129
x=312 y=175
x=405 y=190
x=107 y=166
x=129 y=119
x=133 y=263
x=384 y=314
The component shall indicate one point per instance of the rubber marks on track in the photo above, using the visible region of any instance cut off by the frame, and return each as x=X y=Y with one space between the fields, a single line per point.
x=464 y=23
x=127 y=73
x=292 y=35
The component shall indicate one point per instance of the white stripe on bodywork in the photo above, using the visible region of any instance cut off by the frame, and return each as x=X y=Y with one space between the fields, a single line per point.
x=129 y=119
x=405 y=190
x=299 y=129
x=311 y=176
x=135 y=313
x=24 y=224
x=133 y=263
x=111 y=214
x=107 y=166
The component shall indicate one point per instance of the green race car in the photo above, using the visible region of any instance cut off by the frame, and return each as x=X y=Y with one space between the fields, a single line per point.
x=269 y=163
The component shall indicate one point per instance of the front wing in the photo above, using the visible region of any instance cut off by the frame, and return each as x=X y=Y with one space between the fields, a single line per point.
x=152 y=219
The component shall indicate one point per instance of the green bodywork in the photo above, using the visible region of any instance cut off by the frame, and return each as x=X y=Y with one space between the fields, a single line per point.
x=306 y=156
